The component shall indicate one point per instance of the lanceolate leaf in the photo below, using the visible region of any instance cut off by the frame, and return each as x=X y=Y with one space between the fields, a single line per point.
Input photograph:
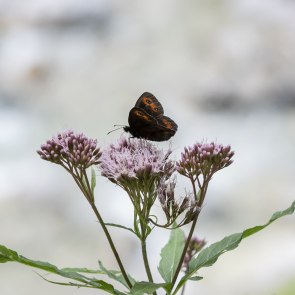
x=209 y=255
x=196 y=278
x=105 y=286
x=121 y=226
x=116 y=275
x=7 y=255
x=170 y=255
x=83 y=270
x=141 y=288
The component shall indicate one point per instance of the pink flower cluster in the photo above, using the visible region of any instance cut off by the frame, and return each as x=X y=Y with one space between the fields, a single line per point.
x=134 y=159
x=204 y=159
x=71 y=149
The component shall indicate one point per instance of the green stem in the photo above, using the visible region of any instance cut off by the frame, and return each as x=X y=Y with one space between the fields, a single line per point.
x=184 y=251
x=111 y=244
x=183 y=289
x=144 y=227
x=86 y=190
x=202 y=197
x=146 y=262
x=145 y=256
x=194 y=189
x=90 y=198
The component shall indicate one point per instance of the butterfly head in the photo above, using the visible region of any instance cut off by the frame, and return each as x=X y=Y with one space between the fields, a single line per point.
x=126 y=128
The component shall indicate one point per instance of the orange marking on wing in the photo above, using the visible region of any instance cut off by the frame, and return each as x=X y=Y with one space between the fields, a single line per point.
x=154 y=107
x=142 y=115
x=147 y=101
x=167 y=124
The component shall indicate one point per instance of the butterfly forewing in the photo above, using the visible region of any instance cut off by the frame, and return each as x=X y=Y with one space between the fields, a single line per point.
x=150 y=104
x=140 y=119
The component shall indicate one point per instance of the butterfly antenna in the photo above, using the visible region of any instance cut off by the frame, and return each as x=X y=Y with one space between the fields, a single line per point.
x=121 y=126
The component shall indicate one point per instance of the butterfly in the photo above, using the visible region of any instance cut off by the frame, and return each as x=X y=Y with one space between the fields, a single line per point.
x=146 y=120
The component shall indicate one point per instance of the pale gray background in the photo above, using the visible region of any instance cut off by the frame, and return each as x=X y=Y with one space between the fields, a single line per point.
x=223 y=70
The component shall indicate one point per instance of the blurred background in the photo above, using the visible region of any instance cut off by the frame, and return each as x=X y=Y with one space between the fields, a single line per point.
x=223 y=70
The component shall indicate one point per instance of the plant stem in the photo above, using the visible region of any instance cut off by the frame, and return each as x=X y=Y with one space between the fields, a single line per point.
x=183 y=289
x=184 y=251
x=90 y=198
x=111 y=244
x=202 y=197
x=143 y=243
x=146 y=262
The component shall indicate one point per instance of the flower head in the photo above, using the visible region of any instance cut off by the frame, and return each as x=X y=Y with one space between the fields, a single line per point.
x=70 y=150
x=204 y=159
x=137 y=166
x=173 y=208
x=134 y=159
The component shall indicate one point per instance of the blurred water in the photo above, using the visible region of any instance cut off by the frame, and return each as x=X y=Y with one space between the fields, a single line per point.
x=222 y=70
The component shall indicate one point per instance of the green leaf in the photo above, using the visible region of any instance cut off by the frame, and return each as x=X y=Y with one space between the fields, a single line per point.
x=121 y=226
x=105 y=286
x=7 y=255
x=3 y=259
x=82 y=270
x=141 y=288
x=196 y=278
x=170 y=254
x=93 y=180
x=116 y=275
x=209 y=255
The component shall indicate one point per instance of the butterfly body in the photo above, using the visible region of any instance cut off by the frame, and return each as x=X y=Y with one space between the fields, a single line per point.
x=146 y=120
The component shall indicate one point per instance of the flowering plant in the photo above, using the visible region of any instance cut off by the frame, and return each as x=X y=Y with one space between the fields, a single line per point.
x=148 y=175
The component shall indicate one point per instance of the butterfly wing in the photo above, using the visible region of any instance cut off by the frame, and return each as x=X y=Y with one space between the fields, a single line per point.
x=140 y=123
x=150 y=104
x=143 y=125
x=159 y=134
x=146 y=120
x=166 y=128
x=167 y=123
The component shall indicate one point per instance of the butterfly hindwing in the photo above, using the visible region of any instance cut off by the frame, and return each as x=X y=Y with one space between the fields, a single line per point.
x=168 y=123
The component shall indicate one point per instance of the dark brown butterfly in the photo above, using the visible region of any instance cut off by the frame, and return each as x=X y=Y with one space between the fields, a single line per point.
x=146 y=120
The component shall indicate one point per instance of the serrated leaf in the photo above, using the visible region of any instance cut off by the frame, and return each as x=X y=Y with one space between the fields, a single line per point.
x=170 y=255
x=103 y=285
x=106 y=286
x=209 y=255
x=141 y=288
x=10 y=255
x=116 y=275
x=100 y=284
